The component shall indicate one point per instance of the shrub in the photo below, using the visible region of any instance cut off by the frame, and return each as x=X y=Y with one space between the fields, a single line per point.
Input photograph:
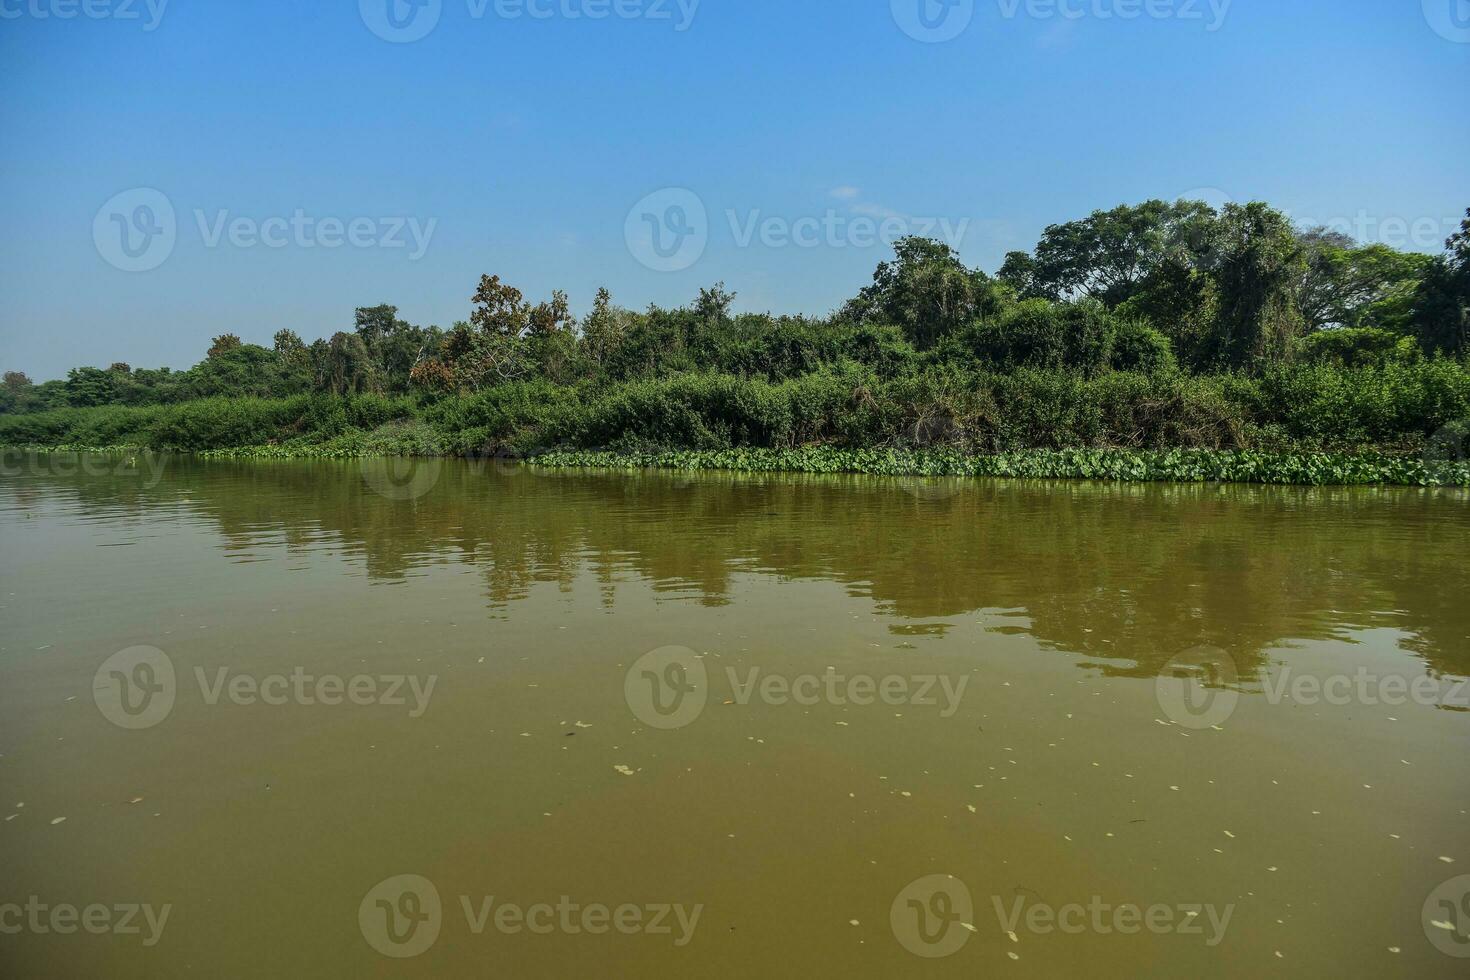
x=956 y=406
x=1356 y=347
x=1139 y=347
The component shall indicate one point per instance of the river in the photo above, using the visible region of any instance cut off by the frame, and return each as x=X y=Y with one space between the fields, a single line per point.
x=457 y=718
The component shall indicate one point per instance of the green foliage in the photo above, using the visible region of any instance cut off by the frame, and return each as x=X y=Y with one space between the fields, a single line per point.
x=1108 y=255
x=1356 y=347
x=1140 y=348
x=926 y=291
x=1344 y=285
x=1177 y=465
x=1150 y=328
x=1083 y=337
x=1440 y=315
x=1260 y=261
x=1396 y=404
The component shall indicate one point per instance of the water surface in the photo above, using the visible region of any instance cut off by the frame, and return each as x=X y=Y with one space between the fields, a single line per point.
x=1127 y=711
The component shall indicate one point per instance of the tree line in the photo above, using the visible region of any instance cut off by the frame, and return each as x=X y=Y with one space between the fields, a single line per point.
x=1153 y=287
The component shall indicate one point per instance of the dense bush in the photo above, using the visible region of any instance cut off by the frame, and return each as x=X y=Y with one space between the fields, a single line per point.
x=1139 y=347
x=1356 y=347
x=1398 y=405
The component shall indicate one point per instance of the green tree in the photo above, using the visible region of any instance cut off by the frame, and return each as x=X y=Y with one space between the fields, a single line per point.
x=714 y=303
x=1110 y=254
x=1259 y=268
x=500 y=309
x=395 y=345
x=289 y=346
x=17 y=393
x=374 y=323
x=603 y=328
x=1020 y=273
x=248 y=369
x=1343 y=284
x=1181 y=302
x=1441 y=309
x=347 y=366
x=926 y=291
x=89 y=386
x=223 y=343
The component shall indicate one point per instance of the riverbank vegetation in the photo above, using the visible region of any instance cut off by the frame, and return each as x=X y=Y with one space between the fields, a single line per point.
x=1146 y=328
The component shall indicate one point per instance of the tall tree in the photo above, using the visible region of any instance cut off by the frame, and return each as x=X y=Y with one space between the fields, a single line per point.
x=222 y=344
x=1109 y=254
x=347 y=366
x=1343 y=283
x=1259 y=267
x=603 y=328
x=1441 y=313
x=926 y=291
x=500 y=308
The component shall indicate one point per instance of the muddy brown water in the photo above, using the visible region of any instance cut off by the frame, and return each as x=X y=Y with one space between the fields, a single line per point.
x=465 y=719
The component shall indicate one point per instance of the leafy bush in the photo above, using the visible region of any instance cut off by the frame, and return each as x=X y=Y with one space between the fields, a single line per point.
x=1356 y=347
x=949 y=406
x=1139 y=347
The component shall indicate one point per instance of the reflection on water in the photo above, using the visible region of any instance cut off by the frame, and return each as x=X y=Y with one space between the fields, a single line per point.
x=582 y=658
x=1130 y=574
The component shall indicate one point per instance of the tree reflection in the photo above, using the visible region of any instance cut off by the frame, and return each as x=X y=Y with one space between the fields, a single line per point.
x=1128 y=574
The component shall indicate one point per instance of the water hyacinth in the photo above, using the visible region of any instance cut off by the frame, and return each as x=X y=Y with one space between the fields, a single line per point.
x=1178 y=465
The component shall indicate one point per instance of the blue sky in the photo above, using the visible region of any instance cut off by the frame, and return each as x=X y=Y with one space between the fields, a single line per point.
x=522 y=145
